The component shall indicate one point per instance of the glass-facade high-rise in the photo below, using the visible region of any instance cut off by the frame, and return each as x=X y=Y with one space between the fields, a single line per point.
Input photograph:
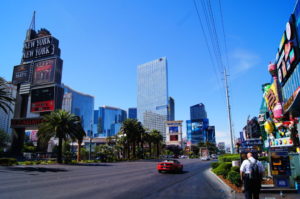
x=171 y=109
x=152 y=94
x=197 y=131
x=132 y=113
x=108 y=121
x=198 y=112
x=211 y=134
x=81 y=105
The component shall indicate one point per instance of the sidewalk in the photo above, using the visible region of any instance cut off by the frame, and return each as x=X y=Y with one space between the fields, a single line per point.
x=272 y=196
x=261 y=196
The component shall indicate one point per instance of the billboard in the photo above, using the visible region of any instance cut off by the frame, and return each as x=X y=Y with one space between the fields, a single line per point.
x=21 y=74
x=42 y=99
x=173 y=137
x=32 y=134
x=40 y=47
x=25 y=122
x=173 y=129
x=47 y=71
x=288 y=54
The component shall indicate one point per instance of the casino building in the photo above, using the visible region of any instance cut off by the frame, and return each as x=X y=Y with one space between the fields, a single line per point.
x=38 y=83
x=275 y=130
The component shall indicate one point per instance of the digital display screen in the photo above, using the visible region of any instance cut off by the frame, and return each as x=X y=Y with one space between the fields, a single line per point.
x=21 y=74
x=173 y=137
x=44 y=71
x=173 y=129
x=42 y=100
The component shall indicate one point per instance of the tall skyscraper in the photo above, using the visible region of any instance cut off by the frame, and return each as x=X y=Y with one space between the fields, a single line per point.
x=198 y=112
x=197 y=131
x=108 y=121
x=152 y=94
x=81 y=105
x=132 y=113
x=171 y=109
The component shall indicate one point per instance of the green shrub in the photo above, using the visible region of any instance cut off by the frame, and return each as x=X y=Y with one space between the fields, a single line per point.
x=215 y=164
x=228 y=157
x=235 y=168
x=8 y=161
x=28 y=163
x=234 y=177
x=263 y=158
x=67 y=157
x=223 y=169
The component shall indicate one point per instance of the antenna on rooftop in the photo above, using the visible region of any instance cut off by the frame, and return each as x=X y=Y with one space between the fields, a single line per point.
x=32 y=24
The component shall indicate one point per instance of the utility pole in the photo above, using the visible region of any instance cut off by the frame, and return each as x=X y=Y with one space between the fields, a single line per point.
x=91 y=137
x=229 y=112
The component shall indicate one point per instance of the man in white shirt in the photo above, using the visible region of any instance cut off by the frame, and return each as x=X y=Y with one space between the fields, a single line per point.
x=251 y=172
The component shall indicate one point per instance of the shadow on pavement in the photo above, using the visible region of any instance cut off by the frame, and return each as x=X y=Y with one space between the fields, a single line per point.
x=91 y=164
x=176 y=173
x=38 y=169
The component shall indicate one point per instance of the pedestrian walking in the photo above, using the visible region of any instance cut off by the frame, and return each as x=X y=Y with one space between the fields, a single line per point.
x=251 y=172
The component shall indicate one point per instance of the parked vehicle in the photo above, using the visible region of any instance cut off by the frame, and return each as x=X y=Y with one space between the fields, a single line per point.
x=169 y=166
x=206 y=158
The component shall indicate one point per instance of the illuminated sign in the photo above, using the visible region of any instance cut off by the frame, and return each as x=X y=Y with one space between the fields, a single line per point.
x=279 y=75
x=271 y=97
x=287 y=106
x=288 y=31
x=173 y=137
x=282 y=41
x=287 y=49
x=42 y=106
x=42 y=100
x=280 y=60
x=173 y=129
x=283 y=69
x=40 y=47
x=28 y=122
x=47 y=71
x=21 y=74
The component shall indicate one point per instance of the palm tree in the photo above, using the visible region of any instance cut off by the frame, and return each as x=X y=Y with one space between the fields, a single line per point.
x=132 y=130
x=5 y=99
x=157 y=139
x=62 y=125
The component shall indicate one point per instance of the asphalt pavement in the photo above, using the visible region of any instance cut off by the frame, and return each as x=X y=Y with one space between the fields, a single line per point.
x=111 y=180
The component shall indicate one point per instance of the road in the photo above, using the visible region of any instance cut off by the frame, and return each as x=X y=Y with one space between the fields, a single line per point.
x=110 y=180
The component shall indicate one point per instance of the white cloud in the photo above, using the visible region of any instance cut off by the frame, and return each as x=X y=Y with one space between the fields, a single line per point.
x=242 y=61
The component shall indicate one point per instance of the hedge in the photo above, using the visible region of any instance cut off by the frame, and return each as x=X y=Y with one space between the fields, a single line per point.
x=8 y=161
x=235 y=168
x=228 y=157
x=234 y=177
x=215 y=164
x=223 y=169
x=263 y=158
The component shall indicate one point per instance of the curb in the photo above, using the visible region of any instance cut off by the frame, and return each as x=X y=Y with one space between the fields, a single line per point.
x=229 y=189
x=263 y=190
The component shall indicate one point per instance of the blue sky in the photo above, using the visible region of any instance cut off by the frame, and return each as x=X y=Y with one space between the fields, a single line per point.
x=102 y=42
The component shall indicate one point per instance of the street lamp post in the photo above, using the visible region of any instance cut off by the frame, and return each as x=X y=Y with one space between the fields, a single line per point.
x=91 y=134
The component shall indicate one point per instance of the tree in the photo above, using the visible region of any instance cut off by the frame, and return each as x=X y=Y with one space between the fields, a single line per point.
x=132 y=130
x=62 y=125
x=5 y=100
x=175 y=149
x=211 y=147
x=157 y=139
x=4 y=139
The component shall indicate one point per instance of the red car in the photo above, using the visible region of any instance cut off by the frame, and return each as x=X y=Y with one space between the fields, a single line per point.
x=169 y=165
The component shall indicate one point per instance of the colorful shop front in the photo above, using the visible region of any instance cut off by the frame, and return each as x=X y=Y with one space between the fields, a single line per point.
x=280 y=112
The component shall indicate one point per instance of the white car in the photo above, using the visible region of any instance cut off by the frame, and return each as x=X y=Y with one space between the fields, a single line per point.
x=205 y=158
